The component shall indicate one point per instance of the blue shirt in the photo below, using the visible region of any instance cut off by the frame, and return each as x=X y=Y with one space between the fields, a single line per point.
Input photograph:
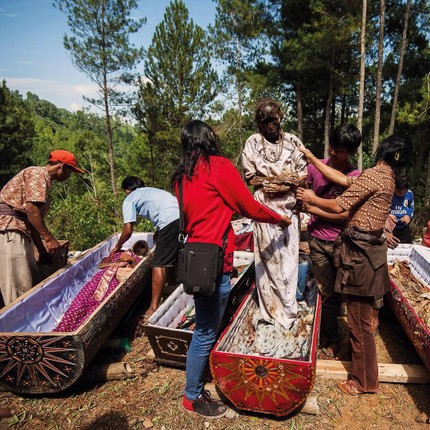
x=401 y=206
x=153 y=204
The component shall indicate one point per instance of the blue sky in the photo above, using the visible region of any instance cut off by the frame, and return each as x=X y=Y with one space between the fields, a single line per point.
x=32 y=56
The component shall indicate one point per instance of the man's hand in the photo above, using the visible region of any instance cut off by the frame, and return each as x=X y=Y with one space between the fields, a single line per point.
x=405 y=219
x=310 y=157
x=51 y=244
x=392 y=241
x=304 y=195
x=116 y=248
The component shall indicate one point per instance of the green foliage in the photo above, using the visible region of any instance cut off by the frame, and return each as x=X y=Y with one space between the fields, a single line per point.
x=16 y=133
x=101 y=49
x=179 y=84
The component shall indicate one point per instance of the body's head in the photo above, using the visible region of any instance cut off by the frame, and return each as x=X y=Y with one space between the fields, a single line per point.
x=61 y=164
x=198 y=139
x=268 y=116
x=141 y=248
x=344 y=141
x=395 y=150
x=402 y=185
x=131 y=183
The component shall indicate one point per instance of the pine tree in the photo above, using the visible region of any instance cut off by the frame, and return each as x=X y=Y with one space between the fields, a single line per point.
x=100 y=48
x=179 y=84
x=16 y=133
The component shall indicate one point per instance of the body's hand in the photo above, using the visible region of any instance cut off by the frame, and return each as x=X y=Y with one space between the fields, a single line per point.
x=272 y=189
x=285 y=222
x=305 y=195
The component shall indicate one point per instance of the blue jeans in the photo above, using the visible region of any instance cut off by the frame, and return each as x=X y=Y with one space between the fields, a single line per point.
x=209 y=313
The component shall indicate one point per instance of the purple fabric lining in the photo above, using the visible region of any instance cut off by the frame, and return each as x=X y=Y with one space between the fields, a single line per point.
x=84 y=303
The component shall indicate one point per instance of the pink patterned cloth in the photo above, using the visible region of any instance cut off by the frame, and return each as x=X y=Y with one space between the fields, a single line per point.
x=93 y=292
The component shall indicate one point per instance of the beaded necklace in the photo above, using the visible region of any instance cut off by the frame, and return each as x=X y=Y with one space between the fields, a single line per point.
x=273 y=156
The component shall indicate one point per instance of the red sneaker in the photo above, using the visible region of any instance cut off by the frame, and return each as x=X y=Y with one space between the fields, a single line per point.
x=205 y=406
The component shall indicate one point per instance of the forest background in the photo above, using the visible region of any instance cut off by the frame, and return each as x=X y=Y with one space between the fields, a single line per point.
x=327 y=61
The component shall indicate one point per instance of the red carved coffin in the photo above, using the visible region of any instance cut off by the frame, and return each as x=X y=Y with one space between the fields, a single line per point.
x=417 y=330
x=260 y=383
x=168 y=330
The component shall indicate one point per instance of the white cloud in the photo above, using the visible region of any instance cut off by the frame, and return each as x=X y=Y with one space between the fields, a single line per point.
x=65 y=95
x=9 y=15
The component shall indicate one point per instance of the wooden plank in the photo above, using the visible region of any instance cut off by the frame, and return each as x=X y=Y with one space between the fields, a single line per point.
x=388 y=372
x=310 y=406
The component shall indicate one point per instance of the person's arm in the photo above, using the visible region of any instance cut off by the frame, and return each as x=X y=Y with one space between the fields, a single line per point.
x=407 y=218
x=127 y=231
x=327 y=205
x=328 y=216
x=332 y=175
x=233 y=191
x=35 y=217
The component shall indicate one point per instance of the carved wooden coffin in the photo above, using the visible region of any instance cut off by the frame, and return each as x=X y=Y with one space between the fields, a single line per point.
x=169 y=329
x=34 y=358
x=409 y=297
x=261 y=383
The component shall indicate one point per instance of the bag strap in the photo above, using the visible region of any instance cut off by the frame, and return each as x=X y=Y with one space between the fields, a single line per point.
x=182 y=234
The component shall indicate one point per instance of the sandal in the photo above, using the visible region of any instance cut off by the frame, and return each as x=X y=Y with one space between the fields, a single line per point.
x=328 y=353
x=348 y=387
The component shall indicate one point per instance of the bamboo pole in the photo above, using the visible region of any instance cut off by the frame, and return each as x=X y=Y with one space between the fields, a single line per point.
x=108 y=372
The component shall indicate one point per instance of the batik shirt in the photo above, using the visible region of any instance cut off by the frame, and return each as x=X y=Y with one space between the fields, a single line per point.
x=29 y=185
x=369 y=198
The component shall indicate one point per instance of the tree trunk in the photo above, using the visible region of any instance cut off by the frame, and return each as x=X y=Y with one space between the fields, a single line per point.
x=362 y=76
x=343 y=109
x=399 y=70
x=239 y=99
x=427 y=193
x=327 y=117
x=299 y=112
x=109 y=137
x=379 y=76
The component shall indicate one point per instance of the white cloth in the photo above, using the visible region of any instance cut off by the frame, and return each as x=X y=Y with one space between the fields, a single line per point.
x=18 y=268
x=276 y=250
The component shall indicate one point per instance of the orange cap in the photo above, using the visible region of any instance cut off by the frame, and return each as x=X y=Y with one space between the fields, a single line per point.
x=66 y=157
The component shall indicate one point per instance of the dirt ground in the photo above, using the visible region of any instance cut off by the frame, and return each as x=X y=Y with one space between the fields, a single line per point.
x=152 y=398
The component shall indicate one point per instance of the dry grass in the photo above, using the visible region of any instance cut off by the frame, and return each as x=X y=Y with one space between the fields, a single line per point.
x=152 y=399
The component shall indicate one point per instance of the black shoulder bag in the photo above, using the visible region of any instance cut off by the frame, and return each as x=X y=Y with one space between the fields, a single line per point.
x=200 y=264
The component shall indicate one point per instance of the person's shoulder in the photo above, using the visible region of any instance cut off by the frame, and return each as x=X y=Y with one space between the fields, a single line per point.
x=219 y=161
x=252 y=140
x=353 y=171
x=293 y=140
x=34 y=171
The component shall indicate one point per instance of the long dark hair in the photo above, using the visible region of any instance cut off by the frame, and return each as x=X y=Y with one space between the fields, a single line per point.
x=197 y=140
x=395 y=150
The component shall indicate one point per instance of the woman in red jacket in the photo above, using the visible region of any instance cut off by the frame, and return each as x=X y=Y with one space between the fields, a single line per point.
x=212 y=192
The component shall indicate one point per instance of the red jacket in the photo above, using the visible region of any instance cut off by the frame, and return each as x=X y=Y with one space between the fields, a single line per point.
x=215 y=193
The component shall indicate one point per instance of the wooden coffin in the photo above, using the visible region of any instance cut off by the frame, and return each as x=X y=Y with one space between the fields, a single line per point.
x=258 y=383
x=170 y=343
x=34 y=358
x=415 y=327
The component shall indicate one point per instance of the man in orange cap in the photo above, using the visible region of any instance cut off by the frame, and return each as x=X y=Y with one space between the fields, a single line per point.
x=23 y=205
